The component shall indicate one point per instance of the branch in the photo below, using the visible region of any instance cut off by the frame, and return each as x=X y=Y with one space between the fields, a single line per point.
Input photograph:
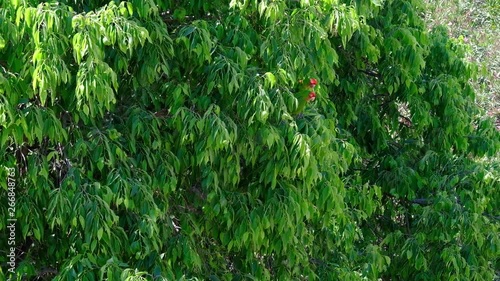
x=422 y=201
x=405 y=121
x=370 y=73
x=47 y=271
x=491 y=216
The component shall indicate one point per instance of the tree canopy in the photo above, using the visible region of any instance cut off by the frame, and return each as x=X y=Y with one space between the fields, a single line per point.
x=159 y=140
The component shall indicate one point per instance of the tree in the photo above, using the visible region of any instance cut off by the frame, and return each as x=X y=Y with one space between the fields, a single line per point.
x=148 y=140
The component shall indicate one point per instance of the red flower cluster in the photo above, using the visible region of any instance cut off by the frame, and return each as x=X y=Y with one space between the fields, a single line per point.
x=312 y=96
x=313 y=82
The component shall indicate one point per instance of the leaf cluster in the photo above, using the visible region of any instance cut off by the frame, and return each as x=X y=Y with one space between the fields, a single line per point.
x=155 y=140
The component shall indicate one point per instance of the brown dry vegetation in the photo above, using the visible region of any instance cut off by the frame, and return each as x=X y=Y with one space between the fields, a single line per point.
x=475 y=23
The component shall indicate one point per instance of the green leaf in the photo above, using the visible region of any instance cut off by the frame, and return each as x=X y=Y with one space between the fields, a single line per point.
x=2 y=42
x=100 y=232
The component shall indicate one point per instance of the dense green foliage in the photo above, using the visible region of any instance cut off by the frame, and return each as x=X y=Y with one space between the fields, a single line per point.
x=155 y=140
